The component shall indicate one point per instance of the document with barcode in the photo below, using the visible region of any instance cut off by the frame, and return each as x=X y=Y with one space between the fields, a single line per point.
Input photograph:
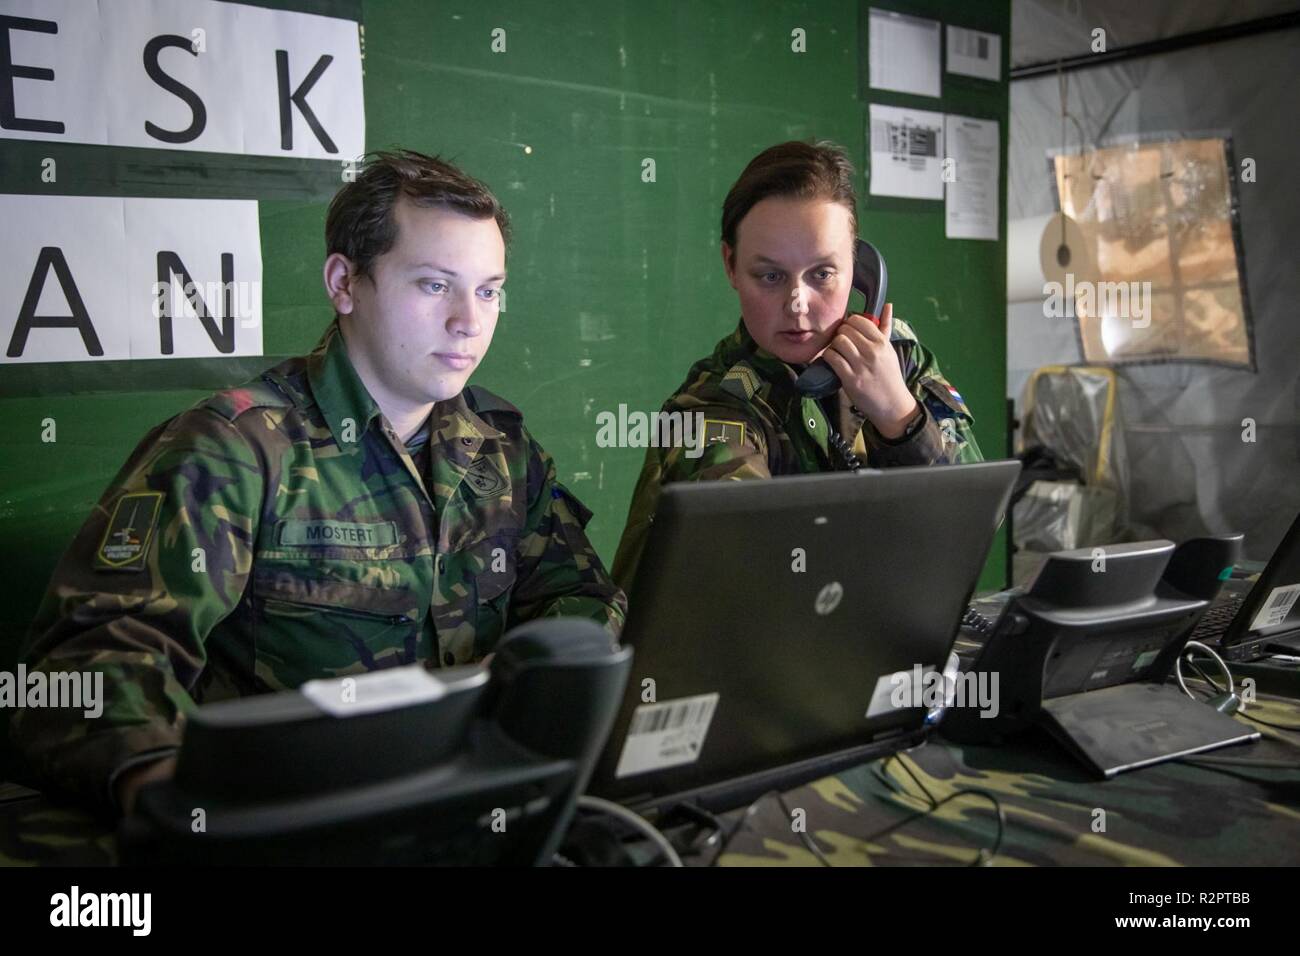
x=906 y=149
x=666 y=734
x=972 y=53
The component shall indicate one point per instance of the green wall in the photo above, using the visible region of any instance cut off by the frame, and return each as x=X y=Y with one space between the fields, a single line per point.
x=615 y=284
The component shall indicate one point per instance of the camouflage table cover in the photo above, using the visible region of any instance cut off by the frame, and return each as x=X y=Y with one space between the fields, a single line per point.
x=1209 y=811
x=1206 y=810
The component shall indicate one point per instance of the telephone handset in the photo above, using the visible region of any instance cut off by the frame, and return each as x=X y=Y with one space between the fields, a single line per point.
x=871 y=279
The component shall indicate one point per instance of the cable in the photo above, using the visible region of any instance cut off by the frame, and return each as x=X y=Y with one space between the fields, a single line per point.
x=1204 y=676
x=634 y=820
x=984 y=855
x=1178 y=667
x=1292 y=729
x=750 y=810
x=842 y=446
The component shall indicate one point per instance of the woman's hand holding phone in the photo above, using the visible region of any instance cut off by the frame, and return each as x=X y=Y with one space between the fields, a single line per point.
x=869 y=373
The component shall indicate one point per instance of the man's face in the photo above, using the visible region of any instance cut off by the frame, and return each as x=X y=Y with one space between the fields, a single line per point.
x=792 y=267
x=419 y=325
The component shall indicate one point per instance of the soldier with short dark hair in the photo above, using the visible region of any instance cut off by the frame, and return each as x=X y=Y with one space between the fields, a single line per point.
x=789 y=228
x=349 y=510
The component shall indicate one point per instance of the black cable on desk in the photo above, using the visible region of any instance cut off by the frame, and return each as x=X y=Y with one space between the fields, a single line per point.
x=1267 y=723
x=751 y=810
x=983 y=855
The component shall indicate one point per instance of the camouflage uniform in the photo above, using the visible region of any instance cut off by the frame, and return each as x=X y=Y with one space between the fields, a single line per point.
x=756 y=425
x=280 y=532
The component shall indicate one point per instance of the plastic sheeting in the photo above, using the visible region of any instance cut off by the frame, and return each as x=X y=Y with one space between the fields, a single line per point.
x=1209 y=449
x=1072 y=412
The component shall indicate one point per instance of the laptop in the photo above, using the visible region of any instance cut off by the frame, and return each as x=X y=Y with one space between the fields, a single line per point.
x=783 y=629
x=1253 y=621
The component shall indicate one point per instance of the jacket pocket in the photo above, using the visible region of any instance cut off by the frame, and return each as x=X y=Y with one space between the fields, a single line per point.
x=310 y=627
x=472 y=596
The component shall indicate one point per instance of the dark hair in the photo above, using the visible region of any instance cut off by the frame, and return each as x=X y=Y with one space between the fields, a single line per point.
x=360 y=222
x=818 y=170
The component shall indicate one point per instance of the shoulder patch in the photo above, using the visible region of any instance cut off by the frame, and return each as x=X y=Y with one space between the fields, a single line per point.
x=259 y=393
x=481 y=400
x=943 y=399
x=720 y=431
x=125 y=545
x=741 y=380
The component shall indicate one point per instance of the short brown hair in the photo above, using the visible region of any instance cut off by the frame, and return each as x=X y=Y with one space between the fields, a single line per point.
x=819 y=170
x=360 y=222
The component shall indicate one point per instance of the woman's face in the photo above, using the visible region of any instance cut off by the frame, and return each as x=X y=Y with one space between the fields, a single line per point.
x=792 y=267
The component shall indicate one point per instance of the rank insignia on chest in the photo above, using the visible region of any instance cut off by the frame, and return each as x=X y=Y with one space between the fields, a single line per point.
x=125 y=545
x=485 y=479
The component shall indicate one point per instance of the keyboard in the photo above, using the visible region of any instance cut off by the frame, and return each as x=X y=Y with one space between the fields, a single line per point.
x=1216 y=620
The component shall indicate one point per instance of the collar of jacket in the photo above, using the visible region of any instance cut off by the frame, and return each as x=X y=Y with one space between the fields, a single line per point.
x=340 y=394
x=796 y=412
x=740 y=346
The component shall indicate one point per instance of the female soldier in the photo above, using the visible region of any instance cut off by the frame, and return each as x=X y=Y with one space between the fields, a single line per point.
x=789 y=228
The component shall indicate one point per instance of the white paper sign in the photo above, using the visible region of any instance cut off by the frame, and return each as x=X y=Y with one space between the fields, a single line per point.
x=92 y=278
x=973 y=53
x=903 y=53
x=971 y=207
x=184 y=74
x=906 y=152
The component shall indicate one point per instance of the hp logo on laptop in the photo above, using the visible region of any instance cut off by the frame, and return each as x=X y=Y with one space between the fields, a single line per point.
x=828 y=598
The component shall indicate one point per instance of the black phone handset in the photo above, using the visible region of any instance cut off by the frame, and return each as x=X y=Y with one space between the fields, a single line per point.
x=870 y=278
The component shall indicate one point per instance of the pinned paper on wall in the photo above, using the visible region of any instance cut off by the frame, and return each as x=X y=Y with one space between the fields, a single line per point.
x=906 y=149
x=973 y=53
x=903 y=53
x=971 y=206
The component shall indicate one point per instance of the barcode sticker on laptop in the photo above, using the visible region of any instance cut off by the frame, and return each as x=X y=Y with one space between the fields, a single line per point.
x=666 y=734
x=1277 y=607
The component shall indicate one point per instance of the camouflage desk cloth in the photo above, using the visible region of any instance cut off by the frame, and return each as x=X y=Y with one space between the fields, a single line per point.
x=1209 y=812
x=1206 y=810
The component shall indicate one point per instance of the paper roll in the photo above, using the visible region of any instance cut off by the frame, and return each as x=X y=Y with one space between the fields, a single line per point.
x=1036 y=256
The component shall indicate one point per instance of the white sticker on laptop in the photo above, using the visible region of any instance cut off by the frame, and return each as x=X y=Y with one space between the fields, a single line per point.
x=902 y=690
x=1276 y=608
x=666 y=734
x=380 y=690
